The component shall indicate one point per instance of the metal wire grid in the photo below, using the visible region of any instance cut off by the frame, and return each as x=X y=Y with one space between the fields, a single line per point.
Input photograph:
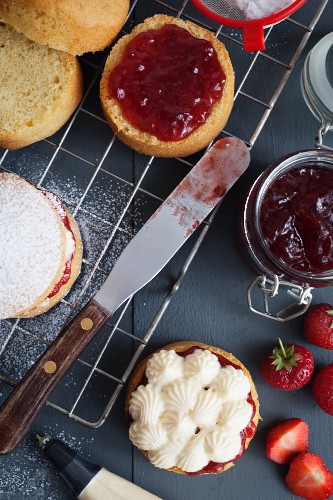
x=136 y=187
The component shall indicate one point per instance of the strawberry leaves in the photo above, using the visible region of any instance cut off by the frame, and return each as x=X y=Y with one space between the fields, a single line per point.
x=289 y=367
x=285 y=357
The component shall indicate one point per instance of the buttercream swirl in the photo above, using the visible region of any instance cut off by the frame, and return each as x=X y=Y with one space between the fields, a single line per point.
x=166 y=456
x=207 y=408
x=178 y=425
x=181 y=395
x=193 y=457
x=231 y=384
x=147 y=437
x=164 y=367
x=191 y=412
x=202 y=366
x=222 y=445
x=146 y=404
x=235 y=414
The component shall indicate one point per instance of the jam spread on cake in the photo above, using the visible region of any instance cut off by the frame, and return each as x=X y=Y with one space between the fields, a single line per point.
x=296 y=219
x=70 y=241
x=167 y=82
x=192 y=410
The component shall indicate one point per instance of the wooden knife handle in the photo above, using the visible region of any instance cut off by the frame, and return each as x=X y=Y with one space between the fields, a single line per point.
x=29 y=396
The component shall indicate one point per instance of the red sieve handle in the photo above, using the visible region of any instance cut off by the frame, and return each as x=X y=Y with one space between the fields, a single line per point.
x=253 y=37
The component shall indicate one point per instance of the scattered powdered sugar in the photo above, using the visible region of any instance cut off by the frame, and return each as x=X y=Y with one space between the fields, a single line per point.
x=258 y=9
x=38 y=478
x=31 y=245
x=109 y=196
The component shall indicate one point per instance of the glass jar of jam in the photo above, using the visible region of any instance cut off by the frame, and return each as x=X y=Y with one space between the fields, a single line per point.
x=317 y=85
x=287 y=225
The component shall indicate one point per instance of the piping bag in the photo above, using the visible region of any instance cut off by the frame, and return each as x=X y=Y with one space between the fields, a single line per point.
x=88 y=480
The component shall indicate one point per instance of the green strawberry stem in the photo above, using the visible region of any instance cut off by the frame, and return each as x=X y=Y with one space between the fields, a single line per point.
x=282 y=348
x=285 y=357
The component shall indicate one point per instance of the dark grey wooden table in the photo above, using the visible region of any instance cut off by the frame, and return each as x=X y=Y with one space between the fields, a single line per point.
x=210 y=306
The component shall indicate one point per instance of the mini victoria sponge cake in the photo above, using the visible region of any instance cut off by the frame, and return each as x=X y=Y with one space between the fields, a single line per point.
x=167 y=88
x=73 y=26
x=40 y=249
x=192 y=408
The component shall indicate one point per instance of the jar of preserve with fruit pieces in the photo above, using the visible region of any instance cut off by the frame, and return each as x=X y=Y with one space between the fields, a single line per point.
x=317 y=85
x=287 y=224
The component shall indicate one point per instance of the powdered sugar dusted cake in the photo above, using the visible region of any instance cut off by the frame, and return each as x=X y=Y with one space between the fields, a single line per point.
x=192 y=408
x=40 y=248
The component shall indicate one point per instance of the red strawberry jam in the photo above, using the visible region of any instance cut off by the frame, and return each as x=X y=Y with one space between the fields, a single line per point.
x=167 y=82
x=296 y=219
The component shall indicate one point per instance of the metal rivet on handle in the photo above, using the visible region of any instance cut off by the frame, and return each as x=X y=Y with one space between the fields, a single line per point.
x=87 y=324
x=50 y=367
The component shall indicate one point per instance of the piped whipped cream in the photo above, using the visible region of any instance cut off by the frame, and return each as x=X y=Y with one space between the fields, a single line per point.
x=70 y=244
x=191 y=412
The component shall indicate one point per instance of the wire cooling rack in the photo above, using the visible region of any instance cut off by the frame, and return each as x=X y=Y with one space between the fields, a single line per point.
x=112 y=191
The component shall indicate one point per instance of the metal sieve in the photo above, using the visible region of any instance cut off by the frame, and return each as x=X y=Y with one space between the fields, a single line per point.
x=225 y=12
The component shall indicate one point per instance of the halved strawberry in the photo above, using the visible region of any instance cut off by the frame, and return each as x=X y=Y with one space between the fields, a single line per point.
x=286 y=440
x=309 y=478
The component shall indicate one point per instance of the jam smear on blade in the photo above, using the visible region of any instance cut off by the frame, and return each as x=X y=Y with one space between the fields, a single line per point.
x=296 y=219
x=167 y=82
x=248 y=432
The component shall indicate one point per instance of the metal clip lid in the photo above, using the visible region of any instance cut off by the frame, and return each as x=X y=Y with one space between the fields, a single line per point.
x=270 y=288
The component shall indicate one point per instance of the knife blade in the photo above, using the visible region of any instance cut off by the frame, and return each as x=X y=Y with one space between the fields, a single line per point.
x=146 y=254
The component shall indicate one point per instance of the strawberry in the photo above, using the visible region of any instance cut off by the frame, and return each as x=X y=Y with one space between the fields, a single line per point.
x=286 y=440
x=322 y=389
x=289 y=367
x=309 y=478
x=318 y=326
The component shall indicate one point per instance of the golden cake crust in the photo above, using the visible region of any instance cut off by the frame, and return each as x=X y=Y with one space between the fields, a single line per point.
x=40 y=88
x=74 y=26
x=181 y=347
x=146 y=143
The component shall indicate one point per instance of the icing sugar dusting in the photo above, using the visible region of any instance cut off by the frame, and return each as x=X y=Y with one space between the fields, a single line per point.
x=27 y=265
x=258 y=9
x=38 y=478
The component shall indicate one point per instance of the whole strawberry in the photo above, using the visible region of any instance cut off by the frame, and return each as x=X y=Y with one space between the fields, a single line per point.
x=289 y=367
x=318 y=326
x=322 y=389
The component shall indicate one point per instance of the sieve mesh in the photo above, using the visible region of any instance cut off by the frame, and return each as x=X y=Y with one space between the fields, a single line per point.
x=225 y=9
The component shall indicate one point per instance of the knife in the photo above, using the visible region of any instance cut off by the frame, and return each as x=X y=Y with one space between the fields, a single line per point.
x=146 y=254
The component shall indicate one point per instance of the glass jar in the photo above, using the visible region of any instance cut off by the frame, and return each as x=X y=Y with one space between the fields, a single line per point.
x=274 y=273
x=317 y=85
